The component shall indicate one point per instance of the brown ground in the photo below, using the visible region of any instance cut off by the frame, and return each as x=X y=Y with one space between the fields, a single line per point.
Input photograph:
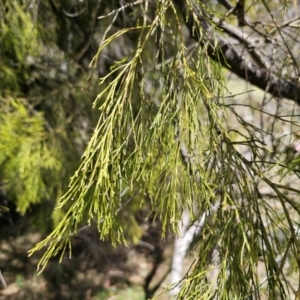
x=95 y=266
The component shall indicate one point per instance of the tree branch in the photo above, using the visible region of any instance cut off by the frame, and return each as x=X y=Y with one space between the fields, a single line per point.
x=259 y=77
x=226 y=4
x=222 y=52
x=245 y=39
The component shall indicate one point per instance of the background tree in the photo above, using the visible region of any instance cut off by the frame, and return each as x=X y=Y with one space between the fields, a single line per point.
x=168 y=135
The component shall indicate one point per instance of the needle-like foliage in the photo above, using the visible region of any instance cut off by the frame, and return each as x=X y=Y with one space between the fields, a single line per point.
x=165 y=94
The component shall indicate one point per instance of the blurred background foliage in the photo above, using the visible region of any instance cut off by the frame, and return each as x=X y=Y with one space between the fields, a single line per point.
x=46 y=95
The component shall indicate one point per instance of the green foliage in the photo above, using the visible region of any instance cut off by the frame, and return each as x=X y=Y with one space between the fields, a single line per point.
x=27 y=157
x=19 y=33
x=162 y=134
x=19 y=37
x=3 y=209
x=44 y=122
x=133 y=143
x=151 y=106
x=133 y=293
x=20 y=281
x=46 y=113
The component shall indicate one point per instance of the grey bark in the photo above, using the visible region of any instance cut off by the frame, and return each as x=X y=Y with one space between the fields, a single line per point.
x=224 y=53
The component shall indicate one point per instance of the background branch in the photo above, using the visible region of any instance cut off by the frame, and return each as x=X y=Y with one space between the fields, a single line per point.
x=222 y=52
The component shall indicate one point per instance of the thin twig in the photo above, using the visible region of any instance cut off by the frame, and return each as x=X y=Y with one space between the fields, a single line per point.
x=116 y=11
x=73 y=15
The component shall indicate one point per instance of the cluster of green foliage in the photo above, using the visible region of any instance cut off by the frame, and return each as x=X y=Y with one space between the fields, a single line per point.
x=46 y=115
x=136 y=142
x=159 y=92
